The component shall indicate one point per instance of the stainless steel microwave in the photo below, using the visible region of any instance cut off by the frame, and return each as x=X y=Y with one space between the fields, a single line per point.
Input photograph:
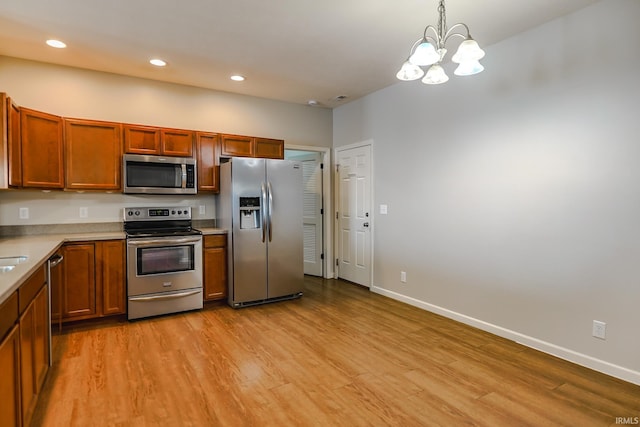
x=144 y=174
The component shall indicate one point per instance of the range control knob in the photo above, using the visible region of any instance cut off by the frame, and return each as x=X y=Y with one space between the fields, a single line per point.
x=130 y=213
x=137 y=213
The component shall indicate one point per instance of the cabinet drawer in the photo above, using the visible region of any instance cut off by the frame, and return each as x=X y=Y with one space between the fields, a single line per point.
x=8 y=314
x=215 y=241
x=30 y=288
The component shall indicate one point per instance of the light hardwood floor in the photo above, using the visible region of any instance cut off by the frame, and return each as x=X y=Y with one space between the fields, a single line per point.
x=339 y=356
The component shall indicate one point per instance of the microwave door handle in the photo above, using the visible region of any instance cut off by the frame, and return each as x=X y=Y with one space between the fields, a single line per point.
x=183 y=183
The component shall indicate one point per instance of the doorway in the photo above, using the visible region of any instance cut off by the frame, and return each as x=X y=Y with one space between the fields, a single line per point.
x=314 y=177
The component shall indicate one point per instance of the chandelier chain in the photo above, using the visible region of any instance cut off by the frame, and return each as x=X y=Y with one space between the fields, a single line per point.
x=442 y=22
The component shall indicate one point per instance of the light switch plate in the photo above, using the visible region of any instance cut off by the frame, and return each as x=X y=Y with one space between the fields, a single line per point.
x=383 y=209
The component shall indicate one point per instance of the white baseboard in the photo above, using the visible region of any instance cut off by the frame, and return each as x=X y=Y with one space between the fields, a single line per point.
x=561 y=352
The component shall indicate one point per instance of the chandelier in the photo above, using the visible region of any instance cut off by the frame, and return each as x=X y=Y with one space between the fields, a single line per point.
x=429 y=51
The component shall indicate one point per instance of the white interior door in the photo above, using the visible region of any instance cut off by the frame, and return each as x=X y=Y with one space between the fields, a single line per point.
x=354 y=214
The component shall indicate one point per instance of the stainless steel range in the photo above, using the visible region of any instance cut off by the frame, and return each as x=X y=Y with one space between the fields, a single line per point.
x=164 y=261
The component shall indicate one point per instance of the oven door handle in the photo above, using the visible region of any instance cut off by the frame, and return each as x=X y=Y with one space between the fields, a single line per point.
x=167 y=242
x=163 y=297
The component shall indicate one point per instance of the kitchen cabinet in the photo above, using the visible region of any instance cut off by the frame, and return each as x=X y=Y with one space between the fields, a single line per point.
x=88 y=143
x=10 y=159
x=10 y=413
x=150 y=140
x=41 y=150
x=14 y=144
x=34 y=341
x=214 y=260
x=236 y=145
x=78 y=281
x=269 y=148
x=93 y=279
x=249 y=146
x=111 y=277
x=208 y=157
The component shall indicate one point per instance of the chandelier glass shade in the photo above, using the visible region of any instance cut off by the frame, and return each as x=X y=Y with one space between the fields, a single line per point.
x=429 y=51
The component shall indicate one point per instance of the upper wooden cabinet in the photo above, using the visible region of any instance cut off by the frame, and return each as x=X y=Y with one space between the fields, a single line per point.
x=208 y=151
x=249 y=146
x=269 y=148
x=10 y=159
x=236 y=145
x=158 y=141
x=14 y=144
x=88 y=143
x=41 y=149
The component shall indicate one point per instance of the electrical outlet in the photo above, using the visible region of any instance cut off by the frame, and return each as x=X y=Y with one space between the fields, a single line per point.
x=403 y=276
x=84 y=212
x=599 y=329
x=202 y=209
x=24 y=213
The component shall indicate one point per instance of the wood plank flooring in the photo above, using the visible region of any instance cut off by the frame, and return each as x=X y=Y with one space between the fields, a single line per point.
x=339 y=356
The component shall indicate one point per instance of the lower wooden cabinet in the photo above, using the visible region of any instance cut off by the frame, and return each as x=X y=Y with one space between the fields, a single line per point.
x=93 y=280
x=10 y=413
x=215 y=267
x=34 y=352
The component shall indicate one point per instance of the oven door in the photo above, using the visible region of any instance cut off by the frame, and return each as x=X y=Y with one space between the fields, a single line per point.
x=163 y=264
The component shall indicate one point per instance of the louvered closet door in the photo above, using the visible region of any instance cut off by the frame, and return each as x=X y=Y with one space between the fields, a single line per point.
x=312 y=223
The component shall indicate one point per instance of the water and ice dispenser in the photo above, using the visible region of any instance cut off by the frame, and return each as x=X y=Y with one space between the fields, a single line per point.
x=249 y=212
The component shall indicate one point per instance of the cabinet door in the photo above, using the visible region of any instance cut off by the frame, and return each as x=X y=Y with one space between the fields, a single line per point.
x=215 y=267
x=41 y=150
x=27 y=359
x=236 y=145
x=141 y=139
x=176 y=142
x=78 y=281
x=14 y=146
x=10 y=414
x=111 y=276
x=269 y=148
x=208 y=148
x=41 y=338
x=88 y=144
x=10 y=138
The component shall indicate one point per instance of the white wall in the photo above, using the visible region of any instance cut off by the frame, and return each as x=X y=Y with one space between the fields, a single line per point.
x=519 y=188
x=73 y=92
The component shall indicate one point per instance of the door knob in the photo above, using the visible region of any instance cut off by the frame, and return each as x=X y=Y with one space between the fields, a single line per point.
x=366 y=225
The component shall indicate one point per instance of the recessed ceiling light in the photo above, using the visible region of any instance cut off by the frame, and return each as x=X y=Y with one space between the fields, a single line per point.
x=158 y=62
x=237 y=78
x=56 y=43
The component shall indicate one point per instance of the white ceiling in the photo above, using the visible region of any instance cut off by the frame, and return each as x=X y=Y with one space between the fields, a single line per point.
x=290 y=50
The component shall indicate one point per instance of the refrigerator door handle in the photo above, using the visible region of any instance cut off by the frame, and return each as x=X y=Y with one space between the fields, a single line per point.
x=263 y=210
x=270 y=191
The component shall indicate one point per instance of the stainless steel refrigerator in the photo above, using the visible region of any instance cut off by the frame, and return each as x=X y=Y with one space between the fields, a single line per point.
x=260 y=203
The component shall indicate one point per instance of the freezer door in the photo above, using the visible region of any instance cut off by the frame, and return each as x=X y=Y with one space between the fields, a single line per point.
x=284 y=234
x=249 y=250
